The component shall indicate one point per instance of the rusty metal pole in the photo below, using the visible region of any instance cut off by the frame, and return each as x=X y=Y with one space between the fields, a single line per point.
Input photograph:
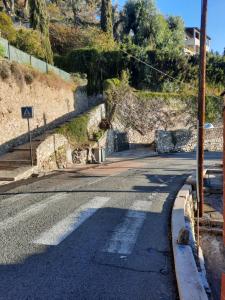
x=201 y=105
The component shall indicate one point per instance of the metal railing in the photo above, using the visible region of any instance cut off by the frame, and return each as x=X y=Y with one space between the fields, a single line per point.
x=14 y=54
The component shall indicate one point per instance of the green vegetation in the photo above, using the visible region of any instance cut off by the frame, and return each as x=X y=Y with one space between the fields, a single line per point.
x=76 y=130
x=106 y=16
x=2 y=51
x=6 y=27
x=95 y=38
x=40 y=21
x=30 y=41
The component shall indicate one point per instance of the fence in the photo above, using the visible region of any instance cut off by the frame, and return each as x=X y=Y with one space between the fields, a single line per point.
x=19 y=56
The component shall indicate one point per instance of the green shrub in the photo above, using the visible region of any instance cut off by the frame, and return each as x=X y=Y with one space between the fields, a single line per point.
x=2 y=51
x=65 y=38
x=98 y=65
x=30 y=41
x=214 y=109
x=97 y=135
x=76 y=130
x=6 y=27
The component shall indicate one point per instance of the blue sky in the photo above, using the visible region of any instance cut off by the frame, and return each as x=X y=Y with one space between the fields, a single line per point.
x=190 y=11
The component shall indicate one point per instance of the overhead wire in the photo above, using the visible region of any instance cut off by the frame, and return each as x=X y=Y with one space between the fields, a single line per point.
x=160 y=71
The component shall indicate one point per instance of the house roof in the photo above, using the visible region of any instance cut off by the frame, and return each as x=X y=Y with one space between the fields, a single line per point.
x=190 y=30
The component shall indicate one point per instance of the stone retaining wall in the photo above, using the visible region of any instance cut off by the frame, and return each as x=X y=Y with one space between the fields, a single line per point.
x=184 y=140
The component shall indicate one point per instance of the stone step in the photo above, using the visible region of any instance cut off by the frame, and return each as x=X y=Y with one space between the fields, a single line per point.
x=16 y=174
x=9 y=163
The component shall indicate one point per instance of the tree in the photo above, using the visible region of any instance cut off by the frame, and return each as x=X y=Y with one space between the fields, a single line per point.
x=106 y=16
x=149 y=29
x=40 y=21
x=177 y=30
x=141 y=20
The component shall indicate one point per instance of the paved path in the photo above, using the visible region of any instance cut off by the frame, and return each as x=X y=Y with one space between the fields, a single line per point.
x=94 y=234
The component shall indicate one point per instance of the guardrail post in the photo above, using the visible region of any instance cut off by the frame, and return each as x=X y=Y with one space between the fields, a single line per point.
x=9 y=51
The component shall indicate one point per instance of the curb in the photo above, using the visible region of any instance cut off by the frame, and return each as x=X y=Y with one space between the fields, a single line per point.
x=188 y=278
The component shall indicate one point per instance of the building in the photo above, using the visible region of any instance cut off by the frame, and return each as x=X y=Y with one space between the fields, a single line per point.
x=192 y=41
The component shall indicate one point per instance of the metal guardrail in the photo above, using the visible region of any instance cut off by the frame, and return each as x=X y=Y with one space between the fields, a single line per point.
x=14 y=54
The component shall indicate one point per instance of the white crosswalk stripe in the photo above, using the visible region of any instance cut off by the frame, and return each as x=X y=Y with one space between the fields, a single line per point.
x=124 y=238
x=30 y=211
x=65 y=227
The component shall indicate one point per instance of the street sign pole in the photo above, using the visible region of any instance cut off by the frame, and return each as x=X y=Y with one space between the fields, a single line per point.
x=201 y=106
x=27 y=113
x=30 y=140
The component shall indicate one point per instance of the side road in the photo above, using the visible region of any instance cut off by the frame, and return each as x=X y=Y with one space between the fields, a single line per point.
x=99 y=233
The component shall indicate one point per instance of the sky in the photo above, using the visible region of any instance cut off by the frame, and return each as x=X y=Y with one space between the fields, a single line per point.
x=190 y=11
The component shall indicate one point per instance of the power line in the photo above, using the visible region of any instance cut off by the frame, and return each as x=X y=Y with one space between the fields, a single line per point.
x=165 y=74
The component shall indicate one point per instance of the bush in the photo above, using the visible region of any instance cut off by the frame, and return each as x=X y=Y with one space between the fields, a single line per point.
x=5 y=71
x=6 y=27
x=76 y=130
x=65 y=39
x=98 y=65
x=2 y=51
x=30 y=41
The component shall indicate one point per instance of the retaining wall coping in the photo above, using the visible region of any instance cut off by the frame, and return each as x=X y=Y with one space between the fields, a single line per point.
x=188 y=278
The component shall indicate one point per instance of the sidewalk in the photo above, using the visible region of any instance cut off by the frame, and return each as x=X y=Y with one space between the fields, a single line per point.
x=13 y=174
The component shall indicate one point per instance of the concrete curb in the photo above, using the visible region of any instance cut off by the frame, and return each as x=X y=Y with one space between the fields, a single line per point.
x=188 y=278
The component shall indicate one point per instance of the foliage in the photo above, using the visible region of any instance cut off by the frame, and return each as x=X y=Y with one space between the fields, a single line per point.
x=40 y=21
x=149 y=29
x=106 y=16
x=65 y=38
x=2 y=51
x=216 y=69
x=76 y=130
x=31 y=42
x=214 y=109
x=6 y=27
x=98 y=65
x=97 y=135
x=114 y=92
x=141 y=21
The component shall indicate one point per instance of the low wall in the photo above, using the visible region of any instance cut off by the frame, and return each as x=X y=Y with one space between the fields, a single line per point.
x=184 y=140
x=53 y=153
x=53 y=100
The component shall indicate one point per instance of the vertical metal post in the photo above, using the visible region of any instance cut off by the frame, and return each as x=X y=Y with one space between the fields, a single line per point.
x=30 y=139
x=201 y=105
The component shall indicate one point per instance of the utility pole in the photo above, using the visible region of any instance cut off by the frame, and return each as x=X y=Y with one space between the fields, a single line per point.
x=201 y=107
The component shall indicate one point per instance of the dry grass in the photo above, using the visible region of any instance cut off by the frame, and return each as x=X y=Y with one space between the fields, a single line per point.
x=26 y=75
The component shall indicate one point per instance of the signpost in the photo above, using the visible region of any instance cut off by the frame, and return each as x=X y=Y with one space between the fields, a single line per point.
x=27 y=113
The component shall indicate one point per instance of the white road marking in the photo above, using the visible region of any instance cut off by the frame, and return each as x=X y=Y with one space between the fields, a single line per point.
x=65 y=227
x=30 y=211
x=124 y=238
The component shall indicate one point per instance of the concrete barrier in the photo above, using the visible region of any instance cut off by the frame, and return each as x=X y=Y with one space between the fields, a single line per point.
x=189 y=282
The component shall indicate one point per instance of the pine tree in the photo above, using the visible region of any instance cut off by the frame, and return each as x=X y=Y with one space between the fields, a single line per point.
x=40 y=21
x=106 y=16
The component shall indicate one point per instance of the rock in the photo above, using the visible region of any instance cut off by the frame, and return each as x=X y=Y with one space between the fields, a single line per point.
x=183 y=237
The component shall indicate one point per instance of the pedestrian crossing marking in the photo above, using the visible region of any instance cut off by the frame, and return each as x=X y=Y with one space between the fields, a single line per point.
x=124 y=238
x=56 y=234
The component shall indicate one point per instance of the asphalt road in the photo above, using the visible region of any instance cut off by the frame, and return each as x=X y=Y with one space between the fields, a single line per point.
x=97 y=234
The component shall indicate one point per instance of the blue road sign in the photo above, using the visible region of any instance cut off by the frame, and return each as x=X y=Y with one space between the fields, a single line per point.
x=27 y=112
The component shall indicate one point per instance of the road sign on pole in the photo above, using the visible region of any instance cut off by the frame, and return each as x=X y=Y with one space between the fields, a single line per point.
x=27 y=113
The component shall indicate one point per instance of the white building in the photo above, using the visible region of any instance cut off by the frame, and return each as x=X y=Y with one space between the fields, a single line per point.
x=192 y=41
